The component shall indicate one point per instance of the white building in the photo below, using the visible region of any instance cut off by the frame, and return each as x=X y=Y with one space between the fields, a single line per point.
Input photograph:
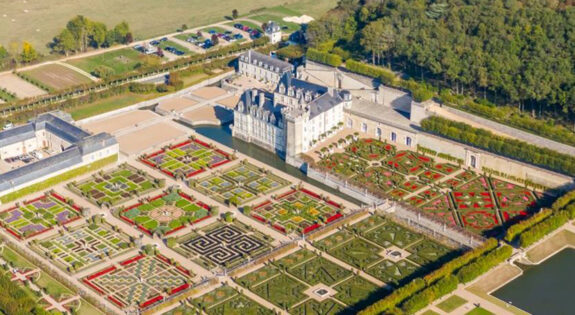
x=274 y=32
x=293 y=118
x=69 y=147
x=263 y=67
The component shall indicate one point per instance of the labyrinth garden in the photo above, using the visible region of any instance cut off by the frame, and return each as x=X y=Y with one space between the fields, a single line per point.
x=39 y=215
x=298 y=210
x=140 y=281
x=187 y=159
x=116 y=186
x=165 y=213
x=239 y=184
x=224 y=245
x=476 y=202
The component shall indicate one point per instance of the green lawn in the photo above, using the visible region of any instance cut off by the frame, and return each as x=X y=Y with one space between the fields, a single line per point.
x=206 y=31
x=167 y=43
x=121 y=61
x=479 y=311
x=430 y=312
x=452 y=303
x=88 y=309
x=11 y=256
x=108 y=104
x=246 y=23
x=291 y=27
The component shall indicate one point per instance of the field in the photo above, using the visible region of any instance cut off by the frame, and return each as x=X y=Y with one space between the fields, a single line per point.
x=22 y=88
x=121 y=61
x=108 y=104
x=224 y=245
x=115 y=186
x=57 y=77
x=141 y=280
x=187 y=159
x=83 y=246
x=27 y=20
x=165 y=213
x=300 y=210
x=239 y=184
x=475 y=202
x=38 y=216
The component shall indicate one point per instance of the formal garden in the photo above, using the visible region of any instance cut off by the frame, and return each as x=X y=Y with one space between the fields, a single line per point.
x=223 y=300
x=39 y=215
x=141 y=281
x=298 y=210
x=239 y=184
x=116 y=186
x=187 y=159
x=442 y=190
x=222 y=244
x=386 y=250
x=83 y=246
x=165 y=213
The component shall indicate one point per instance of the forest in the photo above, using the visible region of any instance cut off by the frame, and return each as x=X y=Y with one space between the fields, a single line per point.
x=518 y=53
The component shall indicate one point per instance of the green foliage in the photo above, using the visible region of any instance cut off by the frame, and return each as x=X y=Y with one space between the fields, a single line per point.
x=13 y=299
x=421 y=94
x=396 y=297
x=324 y=57
x=420 y=300
x=484 y=263
x=516 y=229
x=512 y=148
x=385 y=75
x=564 y=200
x=543 y=228
x=291 y=52
x=103 y=72
x=142 y=88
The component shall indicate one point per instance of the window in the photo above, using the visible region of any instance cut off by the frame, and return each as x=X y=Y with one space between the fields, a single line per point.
x=363 y=127
x=349 y=123
x=378 y=132
x=473 y=161
x=408 y=141
x=393 y=136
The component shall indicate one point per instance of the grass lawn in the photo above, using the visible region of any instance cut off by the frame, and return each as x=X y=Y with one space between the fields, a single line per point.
x=291 y=27
x=88 y=309
x=246 y=23
x=108 y=104
x=57 y=76
x=479 y=311
x=11 y=256
x=452 y=303
x=121 y=61
x=430 y=312
x=206 y=31
x=39 y=21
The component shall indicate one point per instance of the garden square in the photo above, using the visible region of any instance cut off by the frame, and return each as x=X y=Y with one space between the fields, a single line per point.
x=36 y=216
x=227 y=300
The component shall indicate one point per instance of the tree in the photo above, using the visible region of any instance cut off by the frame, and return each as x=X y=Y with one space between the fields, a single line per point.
x=235 y=14
x=98 y=32
x=121 y=30
x=29 y=54
x=3 y=52
x=78 y=27
x=215 y=39
x=65 y=42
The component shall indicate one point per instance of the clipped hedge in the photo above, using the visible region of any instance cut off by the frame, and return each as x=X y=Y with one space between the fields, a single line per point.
x=385 y=75
x=396 y=297
x=420 y=300
x=512 y=148
x=543 y=228
x=518 y=228
x=483 y=264
x=324 y=57
x=564 y=200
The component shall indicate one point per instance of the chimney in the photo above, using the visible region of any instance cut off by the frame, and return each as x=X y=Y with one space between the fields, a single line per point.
x=262 y=99
x=248 y=95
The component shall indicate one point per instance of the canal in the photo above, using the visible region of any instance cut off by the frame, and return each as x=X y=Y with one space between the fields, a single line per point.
x=546 y=288
x=223 y=135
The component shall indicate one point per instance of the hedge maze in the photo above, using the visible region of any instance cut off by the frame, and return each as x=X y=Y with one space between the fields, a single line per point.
x=187 y=159
x=224 y=245
x=165 y=213
x=298 y=210
x=139 y=281
x=83 y=246
x=39 y=215
x=239 y=184
x=116 y=186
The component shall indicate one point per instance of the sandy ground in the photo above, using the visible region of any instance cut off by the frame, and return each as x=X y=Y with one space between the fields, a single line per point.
x=120 y=121
x=176 y=104
x=550 y=246
x=208 y=115
x=230 y=102
x=209 y=92
x=20 y=87
x=149 y=137
x=304 y=19
x=498 y=277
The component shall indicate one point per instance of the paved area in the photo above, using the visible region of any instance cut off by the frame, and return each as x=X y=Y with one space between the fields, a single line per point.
x=176 y=104
x=121 y=121
x=152 y=136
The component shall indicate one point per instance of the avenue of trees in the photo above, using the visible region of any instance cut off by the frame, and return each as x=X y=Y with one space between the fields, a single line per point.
x=82 y=33
x=513 y=52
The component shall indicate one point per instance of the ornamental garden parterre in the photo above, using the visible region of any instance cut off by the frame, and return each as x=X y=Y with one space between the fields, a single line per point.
x=443 y=190
x=187 y=159
x=165 y=213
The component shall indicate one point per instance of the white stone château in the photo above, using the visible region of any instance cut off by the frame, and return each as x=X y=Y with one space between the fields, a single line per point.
x=263 y=67
x=291 y=119
x=58 y=146
x=274 y=32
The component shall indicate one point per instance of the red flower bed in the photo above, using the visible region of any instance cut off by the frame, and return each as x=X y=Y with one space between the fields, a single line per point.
x=200 y=142
x=111 y=298
x=194 y=173
x=143 y=229
x=131 y=260
x=163 y=258
x=333 y=203
x=179 y=145
x=311 y=193
x=55 y=195
x=311 y=228
x=279 y=228
x=180 y=288
x=93 y=286
x=219 y=163
x=257 y=217
x=280 y=196
x=201 y=219
x=14 y=233
x=175 y=229
x=101 y=273
x=151 y=301
x=334 y=217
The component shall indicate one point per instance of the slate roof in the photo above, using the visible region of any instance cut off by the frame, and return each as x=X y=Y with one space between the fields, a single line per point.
x=17 y=134
x=252 y=55
x=323 y=104
x=288 y=80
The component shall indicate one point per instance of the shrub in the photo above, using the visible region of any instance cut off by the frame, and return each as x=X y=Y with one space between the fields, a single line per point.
x=421 y=94
x=538 y=231
x=396 y=297
x=563 y=201
x=142 y=88
x=103 y=72
x=516 y=229
x=385 y=75
x=512 y=148
x=420 y=300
